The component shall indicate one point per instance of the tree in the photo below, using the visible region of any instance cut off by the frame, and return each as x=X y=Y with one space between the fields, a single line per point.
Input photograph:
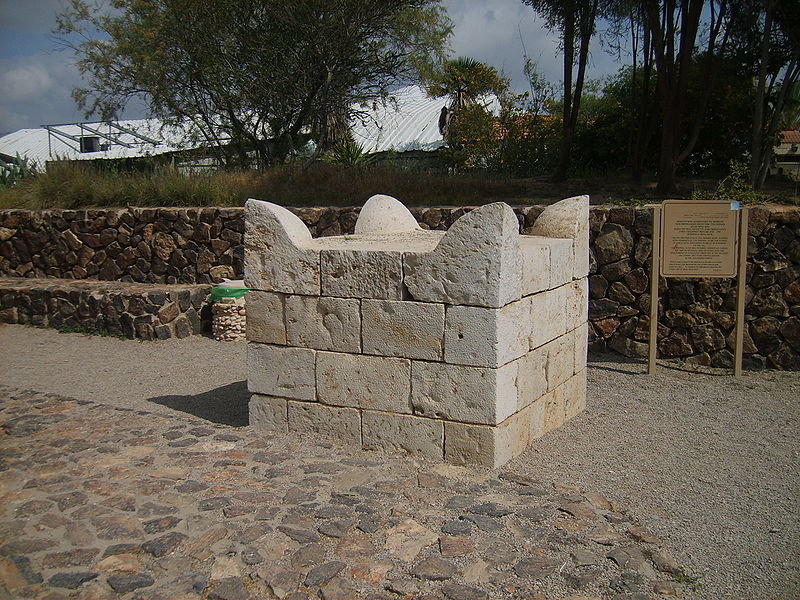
x=575 y=20
x=465 y=81
x=772 y=30
x=674 y=26
x=257 y=75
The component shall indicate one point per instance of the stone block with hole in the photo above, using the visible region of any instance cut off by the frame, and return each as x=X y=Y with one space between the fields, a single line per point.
x=462 y=345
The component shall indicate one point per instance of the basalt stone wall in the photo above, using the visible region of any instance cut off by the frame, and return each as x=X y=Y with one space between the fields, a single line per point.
x=146 y=245
x=696 y=317
x=135 y=310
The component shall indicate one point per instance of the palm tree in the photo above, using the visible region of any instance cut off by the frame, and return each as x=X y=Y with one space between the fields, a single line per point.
x=465 y=81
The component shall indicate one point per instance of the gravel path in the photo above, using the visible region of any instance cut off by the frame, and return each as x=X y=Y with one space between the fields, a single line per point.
x=707 y=462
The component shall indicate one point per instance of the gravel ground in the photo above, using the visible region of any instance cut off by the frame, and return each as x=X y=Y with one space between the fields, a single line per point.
x=706 y=461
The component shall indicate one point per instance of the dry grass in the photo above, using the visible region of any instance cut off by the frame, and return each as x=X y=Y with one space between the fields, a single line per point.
x=76 y=185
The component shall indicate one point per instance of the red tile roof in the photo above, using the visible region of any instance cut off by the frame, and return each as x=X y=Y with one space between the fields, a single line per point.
x=791 y=137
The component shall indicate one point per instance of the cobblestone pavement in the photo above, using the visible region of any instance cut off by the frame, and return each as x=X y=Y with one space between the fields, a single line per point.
x=99 y=502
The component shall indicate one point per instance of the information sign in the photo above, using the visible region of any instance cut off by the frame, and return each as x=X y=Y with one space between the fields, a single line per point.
x=698 y=239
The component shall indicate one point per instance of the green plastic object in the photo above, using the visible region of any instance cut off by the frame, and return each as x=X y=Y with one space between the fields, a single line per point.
x=223 y=291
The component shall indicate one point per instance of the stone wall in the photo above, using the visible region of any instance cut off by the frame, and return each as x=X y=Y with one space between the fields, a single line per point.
x=194 y=245
x=133 y=310
x=146 y=245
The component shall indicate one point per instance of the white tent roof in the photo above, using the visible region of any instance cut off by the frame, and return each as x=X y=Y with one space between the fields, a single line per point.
x=54 y=142
x=410 y=123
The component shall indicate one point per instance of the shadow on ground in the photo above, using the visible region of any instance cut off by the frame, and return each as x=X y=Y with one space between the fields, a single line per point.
x=226 y=405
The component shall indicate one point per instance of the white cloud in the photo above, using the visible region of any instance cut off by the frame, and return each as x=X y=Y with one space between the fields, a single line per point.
x=38 y=90
x=501 y=32
x=25 y=83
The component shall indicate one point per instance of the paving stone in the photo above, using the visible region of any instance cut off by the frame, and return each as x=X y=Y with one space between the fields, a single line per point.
x=490 y=509
x=71 y=581
x=338 y=588
x=641 y=534
x=164 y=544
x=116 y=526
x=190 y=487
x=302 y=536
x=251 y=556
x=19 y=566
x=457 y=528
x=484 y=523
x=230 y=588
x=126 y=503
x=71 y=558
x=369 y=525
x=434 y=569
x=535 y=568
x=628 y=581
x=70 y=500
x=332 y=512
x=214 y=503
x=456 y=546
x=406 y=539
x=307 y=556
x=323 y=573
x=668 y=588
x=664 y=562
x=454 y=591
x=605 y=535
x=32 y=508
x=460 y=502
x=334 y=528
x=159 y=525
x=121 y=549
x=123 y=583
x=536 y=513
x=27 y=546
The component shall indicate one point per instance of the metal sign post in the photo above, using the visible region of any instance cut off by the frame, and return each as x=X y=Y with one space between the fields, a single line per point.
x=698 y=239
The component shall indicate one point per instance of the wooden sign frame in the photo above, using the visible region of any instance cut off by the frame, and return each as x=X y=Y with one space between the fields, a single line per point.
x=686 y=262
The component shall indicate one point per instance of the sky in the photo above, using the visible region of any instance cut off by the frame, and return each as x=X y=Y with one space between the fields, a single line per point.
x=37 y=77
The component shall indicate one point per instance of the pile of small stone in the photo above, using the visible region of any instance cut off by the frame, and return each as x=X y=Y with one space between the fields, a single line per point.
x=228 y=322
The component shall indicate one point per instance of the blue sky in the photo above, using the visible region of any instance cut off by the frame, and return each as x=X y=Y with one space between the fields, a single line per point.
x=36 y=78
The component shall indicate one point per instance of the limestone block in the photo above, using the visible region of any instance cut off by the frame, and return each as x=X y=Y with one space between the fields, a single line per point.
x=532 y=377
x=564 y=402
x=574 y=391
x=477 y=262
x=468 y=394
x=383 y=215
x=554 y=411
x=577 y=302
x=560 y=360
x=265 y=317
x=406 y=329
x=562 y=262
x=536 y=415
x=484 y=445
x=487 y=337
x=343 y=424
x=548 y=315
x=362 y=274
x=280 y=371
x=581 y=346
x=360 y=381
x=568 y=219
x=535 y=254
x=323 y=323
x=268 y=413
x=423 y=438
x=277 y=256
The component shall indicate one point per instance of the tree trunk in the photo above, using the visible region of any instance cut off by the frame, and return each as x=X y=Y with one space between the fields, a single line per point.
x=758 y=109
x=569 y=59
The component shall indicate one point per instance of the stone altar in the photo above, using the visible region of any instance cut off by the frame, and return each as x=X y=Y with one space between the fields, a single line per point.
x=461 y=345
